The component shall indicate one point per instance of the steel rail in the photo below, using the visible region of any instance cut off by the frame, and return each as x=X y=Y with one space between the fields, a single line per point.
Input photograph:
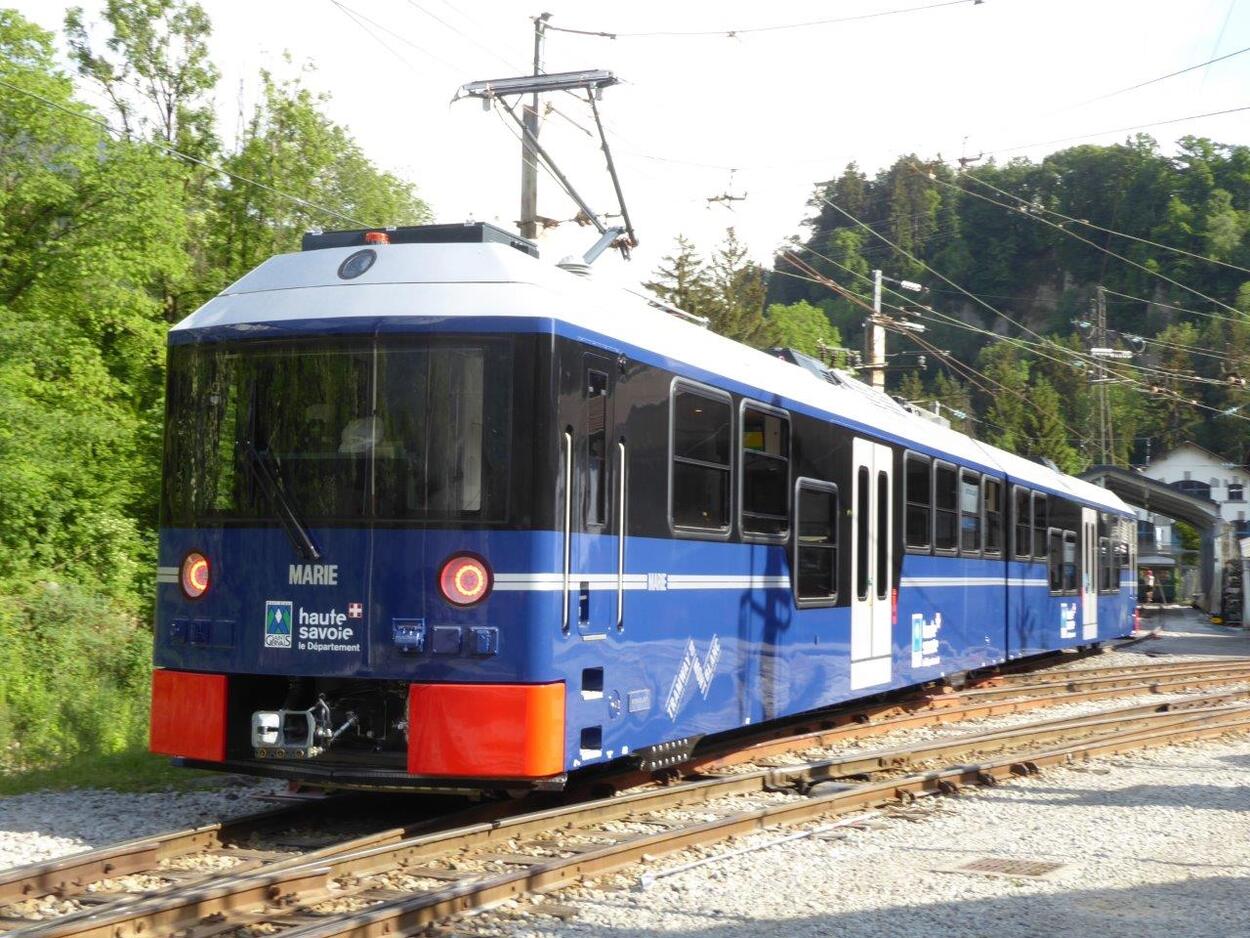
x=403 y=915
x=309 y=882
x=976 y=708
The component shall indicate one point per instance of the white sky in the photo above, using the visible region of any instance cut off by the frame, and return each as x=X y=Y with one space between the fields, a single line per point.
x=786 y=108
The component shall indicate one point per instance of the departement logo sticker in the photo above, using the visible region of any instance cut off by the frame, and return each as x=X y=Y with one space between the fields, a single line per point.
x=278 y=616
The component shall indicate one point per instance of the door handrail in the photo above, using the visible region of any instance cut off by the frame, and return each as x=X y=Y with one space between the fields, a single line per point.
x=620 y=544
x=568 y=525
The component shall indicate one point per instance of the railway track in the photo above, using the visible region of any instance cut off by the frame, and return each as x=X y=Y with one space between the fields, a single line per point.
x=394 y=878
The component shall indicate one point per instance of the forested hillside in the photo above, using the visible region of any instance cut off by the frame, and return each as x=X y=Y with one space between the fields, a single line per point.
x=115 y=223
x=1029 y=243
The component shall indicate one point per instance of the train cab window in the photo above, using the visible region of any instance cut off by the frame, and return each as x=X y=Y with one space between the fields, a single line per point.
x=765 y=467
x=969 y=512
x=993 y=496
x=1021 y=522
x=945 y=507
x=1041 y=520
x=816 y=544
x=1069 y=562
x=919 y=496
x=701 y=459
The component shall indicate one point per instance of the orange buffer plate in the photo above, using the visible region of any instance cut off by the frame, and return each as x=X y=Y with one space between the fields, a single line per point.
x=486 y=730
x=189 y=715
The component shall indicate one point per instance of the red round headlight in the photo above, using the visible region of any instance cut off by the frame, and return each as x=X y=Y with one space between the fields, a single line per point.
x=465 y=579
x=194 y=575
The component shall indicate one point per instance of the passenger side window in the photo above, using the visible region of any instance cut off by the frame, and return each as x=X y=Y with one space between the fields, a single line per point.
x=1022 y=522
x=765 y=438
x=597 y=447
x=945 y=507
x=1106 y=566
x=993 y=490
x=919 y=497
x=1041 y=520
x=969 y=512
x=1069 y=561
x=1054 y=560
x=816 y=543
x=701 y=459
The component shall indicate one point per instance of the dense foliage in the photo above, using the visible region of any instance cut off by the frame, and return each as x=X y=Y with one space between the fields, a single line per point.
x=112 y=227
x=1029 y=243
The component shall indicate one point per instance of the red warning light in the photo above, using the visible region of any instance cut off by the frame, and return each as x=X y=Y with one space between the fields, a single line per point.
x=377 y=237
x=194 y=576
x=464 y=580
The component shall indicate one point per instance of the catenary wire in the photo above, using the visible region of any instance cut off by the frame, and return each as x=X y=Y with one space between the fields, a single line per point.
x=745 y=30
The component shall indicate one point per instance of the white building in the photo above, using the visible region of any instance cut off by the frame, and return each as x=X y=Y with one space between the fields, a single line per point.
x=1200 y=472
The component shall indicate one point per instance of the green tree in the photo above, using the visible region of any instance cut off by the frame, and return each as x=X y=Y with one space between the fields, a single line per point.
x=801 y=326
x=735 y=303
x=291 y=146
x=681 y=279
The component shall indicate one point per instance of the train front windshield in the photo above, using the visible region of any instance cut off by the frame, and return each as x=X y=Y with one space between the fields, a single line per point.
x=339 y=431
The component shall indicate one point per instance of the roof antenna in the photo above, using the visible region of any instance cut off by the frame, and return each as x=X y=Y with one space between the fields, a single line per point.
x=592 y=82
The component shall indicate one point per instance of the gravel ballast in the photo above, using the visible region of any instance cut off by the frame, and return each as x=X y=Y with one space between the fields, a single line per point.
x=44 y=824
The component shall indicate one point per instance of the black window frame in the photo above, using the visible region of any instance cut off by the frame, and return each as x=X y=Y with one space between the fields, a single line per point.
x=1043 y=528
x=766 y=537
x=1106 y=566
x=685 y=385
x=813 y=602
x=987 y=511
x=1054 y=561
x=908 y=504
x=1016 y=491
x=953 y=550
x=959 y=490
x=1072 y=587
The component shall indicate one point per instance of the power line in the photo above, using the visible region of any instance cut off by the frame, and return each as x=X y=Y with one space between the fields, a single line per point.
x=1112 y=231
x=1116 y=130
x=1072 y=234
x=451 y=67
x=215 y=167
x=746 y=30
x=465 y=36
x=1154 y=81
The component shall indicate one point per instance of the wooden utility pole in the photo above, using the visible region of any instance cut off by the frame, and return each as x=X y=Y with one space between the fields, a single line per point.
x=528 y=223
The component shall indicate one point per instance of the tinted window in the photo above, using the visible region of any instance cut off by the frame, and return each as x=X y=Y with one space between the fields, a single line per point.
x=969 y=512
x=919 y=485
x=1040 y=524
x=883 y=535
x=1022 y=522
x=945 y=507
x=1054 y=561
x=596 y=446
x=993 y=516
x=862 y=521
x=348 y=429
x=765 y=471
x=817 y=543
x=701 y=436
x=1069 y=561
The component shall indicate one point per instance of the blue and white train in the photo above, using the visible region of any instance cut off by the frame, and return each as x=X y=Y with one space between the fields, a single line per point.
x=439 y=515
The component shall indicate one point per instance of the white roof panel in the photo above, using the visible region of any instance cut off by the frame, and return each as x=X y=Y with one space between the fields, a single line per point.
x=476 y=280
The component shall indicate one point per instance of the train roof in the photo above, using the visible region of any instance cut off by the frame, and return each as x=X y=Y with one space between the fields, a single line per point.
x=444 y=281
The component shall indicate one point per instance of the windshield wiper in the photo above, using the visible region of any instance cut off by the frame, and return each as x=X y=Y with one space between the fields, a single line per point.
x=271 y=484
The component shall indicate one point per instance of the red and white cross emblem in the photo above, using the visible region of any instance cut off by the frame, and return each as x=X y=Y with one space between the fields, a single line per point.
x=355 y=611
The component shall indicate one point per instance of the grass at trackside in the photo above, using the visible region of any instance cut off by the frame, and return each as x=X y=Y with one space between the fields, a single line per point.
x=127 y=771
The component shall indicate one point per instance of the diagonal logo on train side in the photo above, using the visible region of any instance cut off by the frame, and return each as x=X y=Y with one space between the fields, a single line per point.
x=702 y=671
